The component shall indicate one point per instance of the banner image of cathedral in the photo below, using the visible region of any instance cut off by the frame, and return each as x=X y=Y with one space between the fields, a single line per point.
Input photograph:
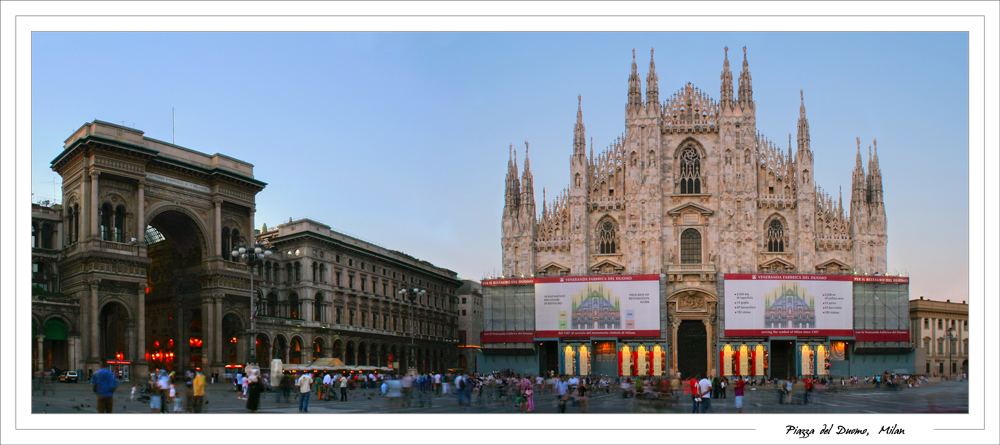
x=789 y=306
x=596 y=308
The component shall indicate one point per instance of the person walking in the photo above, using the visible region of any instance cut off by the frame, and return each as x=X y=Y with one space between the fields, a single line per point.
x=705 y=385
x=198 y=393
x=104 y=383
x=561 y=388
x=305 y=385
x=808 y=384
x=695 y=391
x=738 y=392
x=343 y=387
x=254 y=388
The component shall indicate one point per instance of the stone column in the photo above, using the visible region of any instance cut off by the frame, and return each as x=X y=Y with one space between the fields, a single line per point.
x=141 y=325
x=673 y=344
x=708 y=347
x=133 y=349
x=251 y=237
x=95 y=221
x=218 y=228
x=217 y=326
x=307 y=305
x=40 y=366
x=74 y=356
x=207 y=334
x=140 y=214
x=95 y=335
x=182 y=357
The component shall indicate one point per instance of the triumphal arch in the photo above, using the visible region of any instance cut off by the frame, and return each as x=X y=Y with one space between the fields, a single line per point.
x=147 y=227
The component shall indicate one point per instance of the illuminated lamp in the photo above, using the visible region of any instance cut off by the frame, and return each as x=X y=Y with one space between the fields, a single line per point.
x=156 y=344
x=149 y=289
x=170 y=343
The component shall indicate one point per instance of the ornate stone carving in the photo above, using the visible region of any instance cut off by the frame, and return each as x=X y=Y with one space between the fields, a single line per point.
x=168 y=195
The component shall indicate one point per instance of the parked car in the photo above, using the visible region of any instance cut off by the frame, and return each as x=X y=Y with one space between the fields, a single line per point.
x=69 y=377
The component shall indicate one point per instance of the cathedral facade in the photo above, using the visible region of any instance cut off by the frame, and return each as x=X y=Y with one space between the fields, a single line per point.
x=692 y=191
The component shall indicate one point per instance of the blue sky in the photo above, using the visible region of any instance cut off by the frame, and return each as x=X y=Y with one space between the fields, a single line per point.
x=402 y=138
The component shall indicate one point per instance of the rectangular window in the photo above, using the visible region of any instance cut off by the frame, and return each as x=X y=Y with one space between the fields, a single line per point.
x=463 y=300
x=350 y=317
x=463 y=311
x=340 y=315
x=338 y=258
x=940 y=325
x=350 y=281
x=927 y=324
x=338 y=278
x=364 y=319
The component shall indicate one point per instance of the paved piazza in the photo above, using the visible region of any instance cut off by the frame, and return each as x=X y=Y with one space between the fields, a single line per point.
x=943 y=397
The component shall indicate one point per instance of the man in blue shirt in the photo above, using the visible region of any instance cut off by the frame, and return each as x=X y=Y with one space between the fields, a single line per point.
x=562 y=387
x=104 y=383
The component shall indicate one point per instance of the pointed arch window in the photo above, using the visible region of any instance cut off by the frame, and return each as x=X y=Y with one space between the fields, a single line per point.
x=607 y=237
x=691 y=247
x=690 y=171
x=775 y=236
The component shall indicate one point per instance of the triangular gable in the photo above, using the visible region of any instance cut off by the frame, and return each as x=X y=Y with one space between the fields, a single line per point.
x=692 y=205
x=833 y=263
x=553 y=268
x=777 y=262
x=607 y=266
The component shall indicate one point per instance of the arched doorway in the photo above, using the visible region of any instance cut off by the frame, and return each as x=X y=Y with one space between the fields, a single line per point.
x=176 y=248
x=232 y=338
x=318 y=348
x=338 y=350
x=263 y=345
x=349 y=359
x=114 y=330
x=280 y=350
x=692 y=346
x=362 y=354
x=55 y=352
x=295 y=351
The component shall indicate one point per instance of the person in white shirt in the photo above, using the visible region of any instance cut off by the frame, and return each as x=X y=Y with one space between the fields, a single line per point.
x=573 y=382
x=343 y=387
x=305 y=389
x=705 y=387
x=437 y=383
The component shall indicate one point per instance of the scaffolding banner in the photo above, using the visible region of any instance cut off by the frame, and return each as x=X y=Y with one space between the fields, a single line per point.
x=775 y=305
x=584 y=306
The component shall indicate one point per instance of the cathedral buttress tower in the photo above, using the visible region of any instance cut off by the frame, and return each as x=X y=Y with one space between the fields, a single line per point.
x=510 y=224
x=806 y=205
x=527 y=220
x=580 y=173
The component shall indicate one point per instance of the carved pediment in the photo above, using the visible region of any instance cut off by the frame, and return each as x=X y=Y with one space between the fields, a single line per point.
x=832 y=266
x=777 y=265
x=607 y=267
x=690 y=206
x=552 y=269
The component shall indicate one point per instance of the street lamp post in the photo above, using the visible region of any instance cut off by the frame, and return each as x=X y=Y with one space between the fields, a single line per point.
x=251 y=256
x=412 y=295
x=951 y=346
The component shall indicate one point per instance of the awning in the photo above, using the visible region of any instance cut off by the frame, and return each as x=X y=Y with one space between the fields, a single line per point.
x=55 y=329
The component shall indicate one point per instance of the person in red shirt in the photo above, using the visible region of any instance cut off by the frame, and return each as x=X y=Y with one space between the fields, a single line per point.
x=808 y=383
x=693 y=387
x=738 y=391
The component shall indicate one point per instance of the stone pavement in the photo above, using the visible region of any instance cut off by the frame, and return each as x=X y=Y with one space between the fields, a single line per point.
x=948 y=396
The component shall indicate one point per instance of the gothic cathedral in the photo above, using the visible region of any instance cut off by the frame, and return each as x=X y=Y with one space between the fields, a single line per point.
x=692 y=190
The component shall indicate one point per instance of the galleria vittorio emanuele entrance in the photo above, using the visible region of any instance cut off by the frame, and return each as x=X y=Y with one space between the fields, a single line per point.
x=148 y=227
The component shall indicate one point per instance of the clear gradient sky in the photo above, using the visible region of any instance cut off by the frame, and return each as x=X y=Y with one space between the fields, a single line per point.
x=402 y=138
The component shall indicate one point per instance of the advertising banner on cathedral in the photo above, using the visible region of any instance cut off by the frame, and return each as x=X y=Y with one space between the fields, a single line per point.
x=613 y=306
x=776 y=305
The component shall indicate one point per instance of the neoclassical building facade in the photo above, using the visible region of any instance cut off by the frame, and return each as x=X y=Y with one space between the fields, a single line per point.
x=135 y=266
x=692 y=190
